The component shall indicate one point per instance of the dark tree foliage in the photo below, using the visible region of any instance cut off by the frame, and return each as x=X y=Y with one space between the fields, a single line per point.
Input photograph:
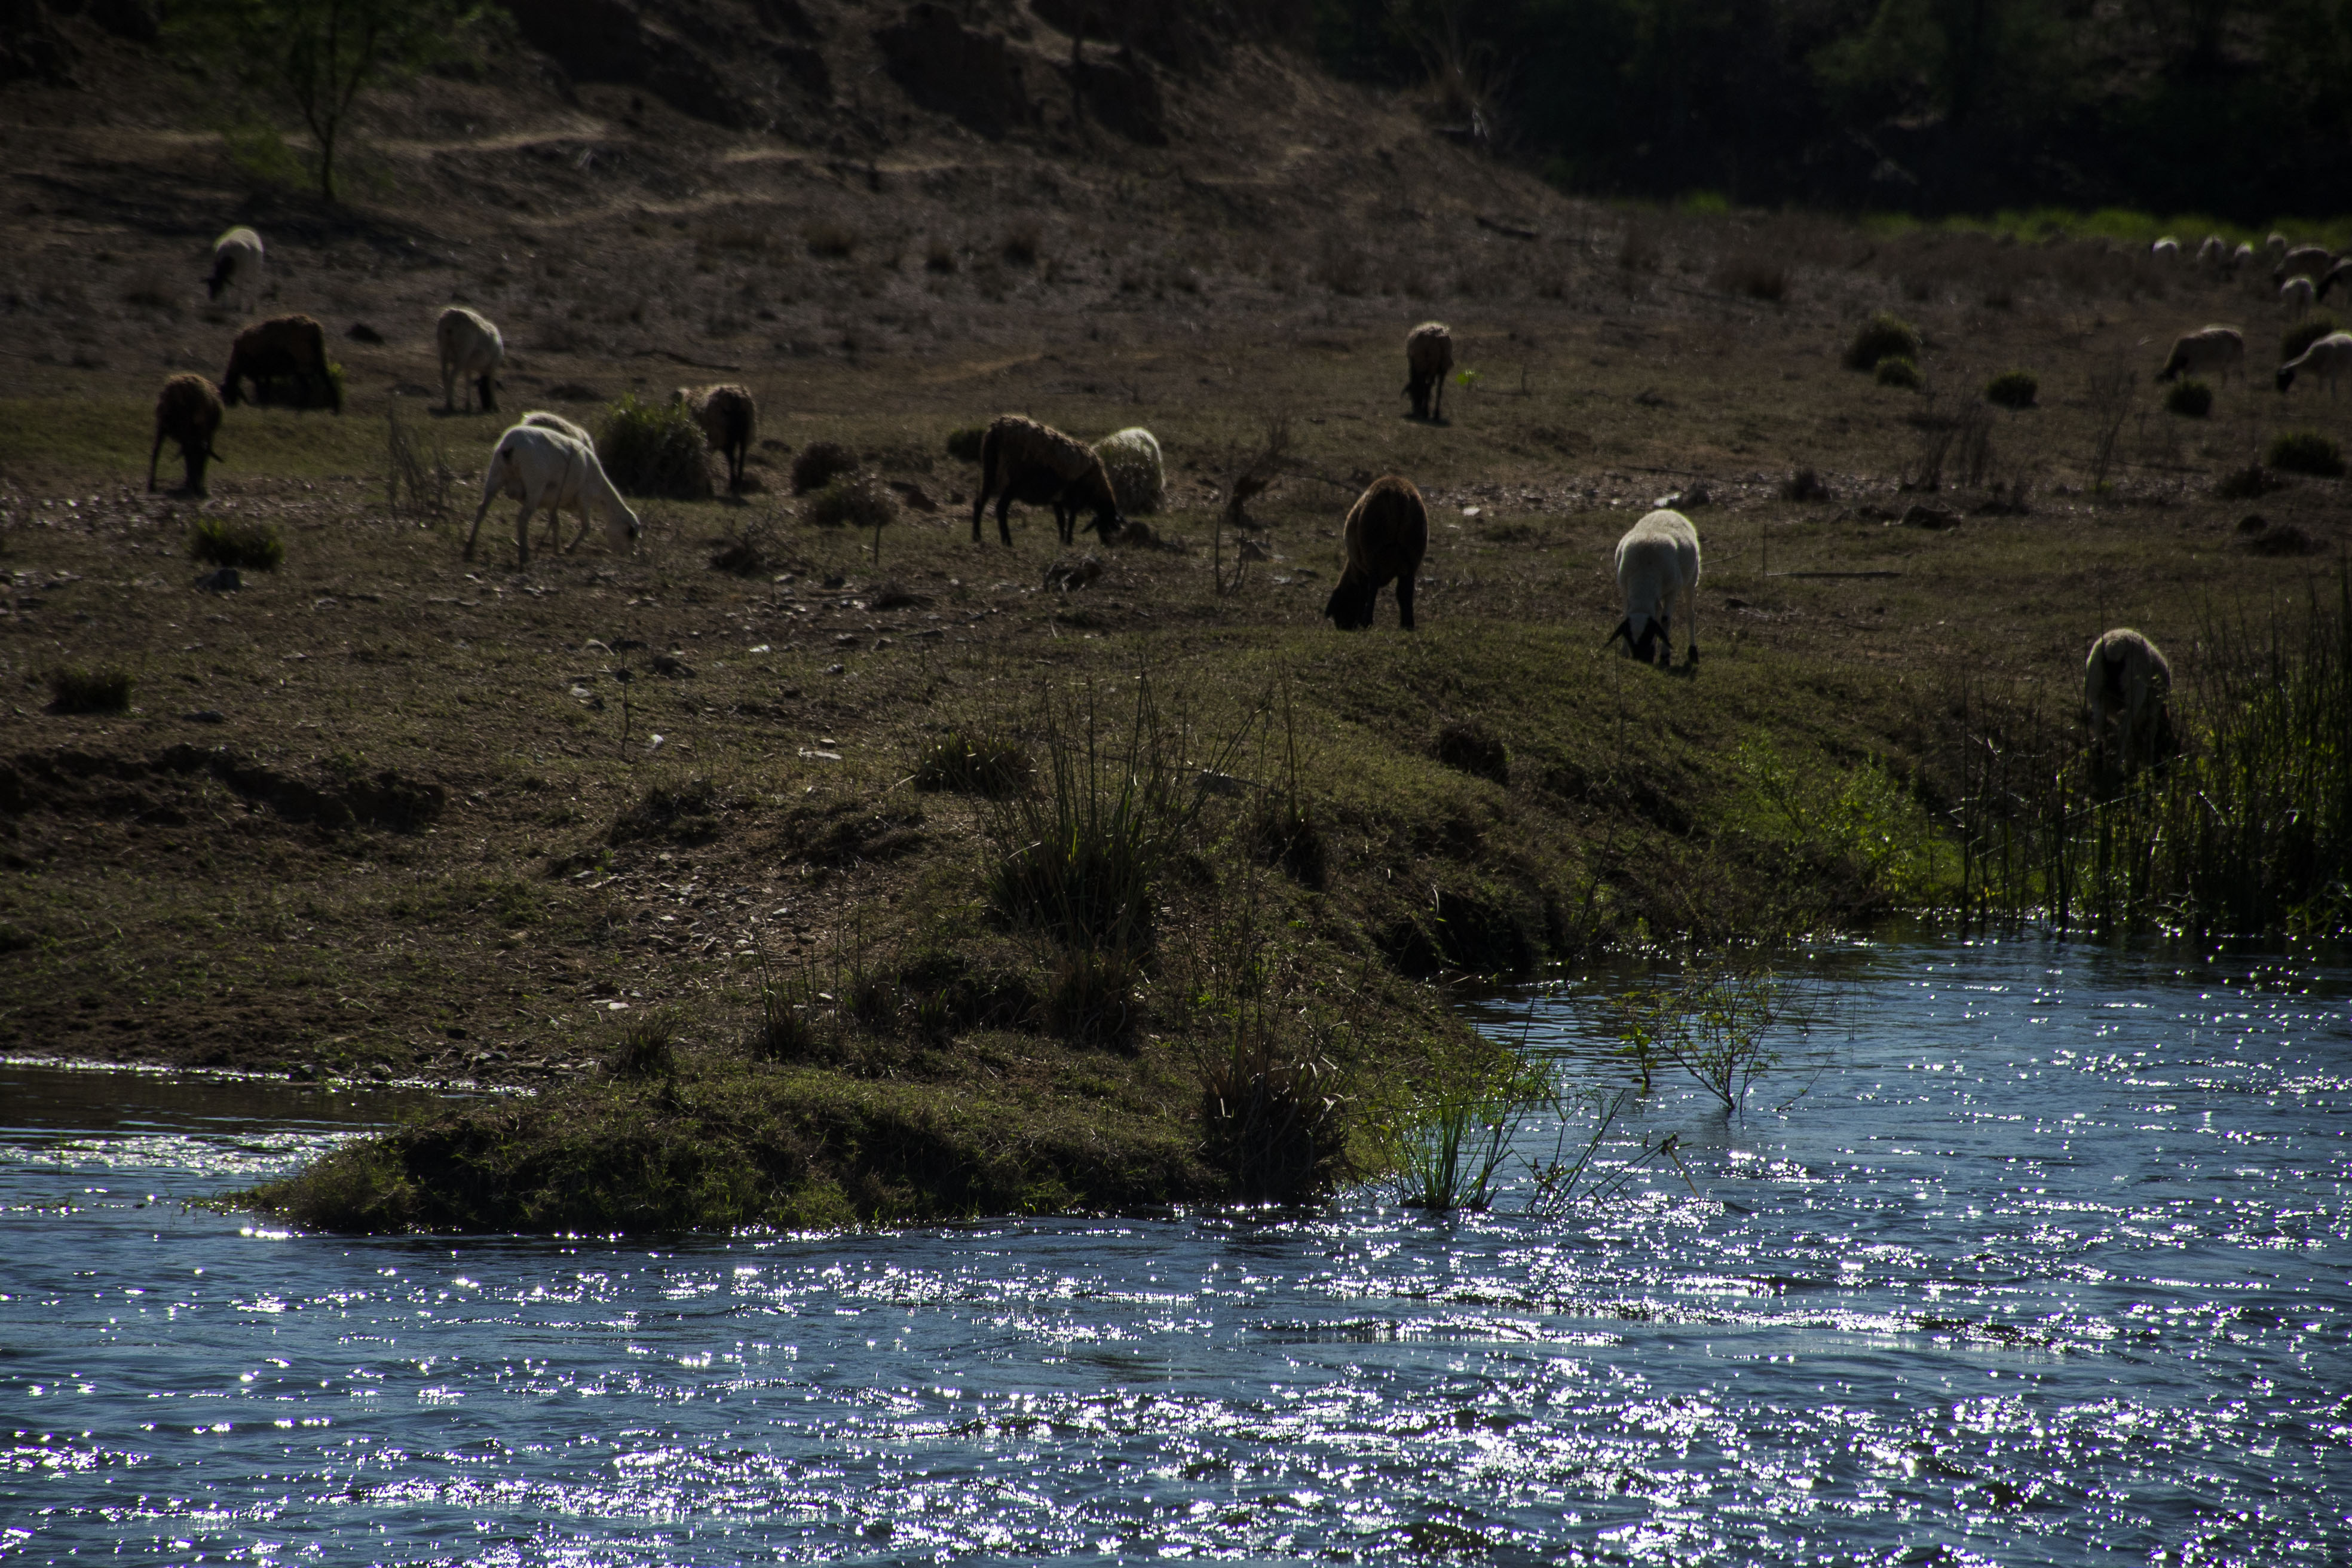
x=312 y=59
x=2240 y=108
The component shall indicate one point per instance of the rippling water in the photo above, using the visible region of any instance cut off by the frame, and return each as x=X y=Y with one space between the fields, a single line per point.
x=2047 y=1263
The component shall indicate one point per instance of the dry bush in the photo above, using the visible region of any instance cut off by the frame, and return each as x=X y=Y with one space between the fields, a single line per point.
x=1757 y=277
x=830 y=239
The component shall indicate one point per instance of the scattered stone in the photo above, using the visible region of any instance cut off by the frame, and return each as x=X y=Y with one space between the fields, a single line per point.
x=362 y=332
x=667 y=663
x=206 y=716
x=1067 y=574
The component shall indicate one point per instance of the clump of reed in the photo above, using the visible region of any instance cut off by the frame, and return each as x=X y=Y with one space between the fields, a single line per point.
x=965 y=762
x=252 y=546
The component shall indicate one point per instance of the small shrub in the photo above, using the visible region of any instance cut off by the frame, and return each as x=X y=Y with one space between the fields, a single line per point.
x=1804 y=485
x=1021 y=245
x=2249 y=483
x=2189 y=398
x=819 y=464
x=2284 y=539
x=2304 y=452
x=1285 y=834
x=1886 y=336
x=73 y=690
x=2305 y=333
x=990 y=766
x=2012 y=389
x=654 y=450
x=251 y=546
x=861 y=500
x=1091 y=1001
x=940 y=257
x=1469 y=748
x=964 y=444
x=750 y=550
x=643 y=1047
x=1756 y=276
x=1271 y=1119
x=299 y=392
x=1896 y=371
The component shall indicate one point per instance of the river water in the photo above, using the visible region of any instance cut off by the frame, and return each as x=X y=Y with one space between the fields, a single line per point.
x=2038 y=1255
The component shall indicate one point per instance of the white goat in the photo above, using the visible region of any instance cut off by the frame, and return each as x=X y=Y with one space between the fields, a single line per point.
x=1657 y=568
x=2295 y=293
x=2210 y=350
x=2126 y=685
x=2328 y=360
x=237 y=264
x=470 y=347
x=2166 y=249
x=545 y=468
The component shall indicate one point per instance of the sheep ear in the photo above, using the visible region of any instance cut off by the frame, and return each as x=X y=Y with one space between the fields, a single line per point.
x=1624 y=629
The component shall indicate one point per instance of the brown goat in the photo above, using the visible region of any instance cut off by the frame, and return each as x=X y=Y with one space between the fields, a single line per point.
x=1387 y=535
x=1037 y=465
x=730 y=417
x=188 y=411
x=283 y=346
x=1428 y=356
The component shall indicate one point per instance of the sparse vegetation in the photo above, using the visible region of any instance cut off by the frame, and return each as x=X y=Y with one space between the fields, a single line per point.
x=2304 y=452
x=853 y=500
x=249 y=546
x=74 y=688
x=2190 y=397
x=820 y=463
x=1883 y=337
x=2014 y=389
x=964 y=444
x=992 y=767
x=650 y=448
x=1895 y=370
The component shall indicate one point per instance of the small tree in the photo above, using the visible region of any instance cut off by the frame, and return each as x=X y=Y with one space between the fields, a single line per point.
x=314 y=57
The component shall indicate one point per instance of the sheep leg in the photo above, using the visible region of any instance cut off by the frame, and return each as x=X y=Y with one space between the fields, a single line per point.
x=1003 y=517
x=587 y=516
x=151 y=457
x=1437 y=399
x=448 y=387
x=1065 y=522
x=522 y=530
x=490 y=494
x=1404 y=600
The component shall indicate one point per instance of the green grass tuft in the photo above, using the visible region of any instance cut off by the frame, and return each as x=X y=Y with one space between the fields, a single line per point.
x=859 y=500
x=992 y=767
x=1896 y=371
x=964 y=444
x=74 y=689
x=2012 y=389
x=645 y=1046
x=2189 y=398
x=654 y=450
x=252 y=546
x=2304 y=452
x=820 y=463
x=1884 y=336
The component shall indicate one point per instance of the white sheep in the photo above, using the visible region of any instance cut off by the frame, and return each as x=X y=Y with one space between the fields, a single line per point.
x=1138 y=475
x=470 y=347
x=2166 y=249
x=2295 y=293
x=2339 y=273
x=1657 y=569
x=237 y=264
x=2305 y=262
x=2213 y=252
x=542 y=466
x=543 y=420
x=2126 y=685
x=2276 y=244
x=2240 y=256
x=1428 y=356
x=2328 y=360
x=2208 y=352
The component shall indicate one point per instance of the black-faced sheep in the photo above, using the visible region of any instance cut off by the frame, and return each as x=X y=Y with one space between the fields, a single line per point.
x=282 y=346
x=542 y=466
x=1037 y=465
x=2328 y=360
x=1387 y=535
x=1428 y=358
x=2126 y=686
x=188 y=411
x=2208 y=352
x=1657 y=569
x=470 y=347
x=730 y=418
x=237 y=264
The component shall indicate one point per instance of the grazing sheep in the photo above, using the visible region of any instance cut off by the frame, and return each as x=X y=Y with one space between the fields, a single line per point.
x=2240 y=256
x=1037 y=465
x=1387 y=535
x=2339 y=273
x=1138 y=476
x=542 y=419
x=2305 y=262
x=1428 y=357
x=237 y=264
x=2208 y=352
x=2329 y=359
x=2295 y=294
x=730 y=417
x=1657 y=568
x=282 y=346
x=2276 y=244
x=2213 y=251
x=2126 y=685
x=470 y=347
x=2166 y=249
x=188 y=411
x=542 y=466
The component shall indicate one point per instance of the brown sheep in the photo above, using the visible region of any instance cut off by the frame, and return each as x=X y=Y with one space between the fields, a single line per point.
x=1429 y=356
x=283 y=346
x=188 y=411
x=2127 y=686
x=1387 y=535
x=730 y=417
x=1037 y=465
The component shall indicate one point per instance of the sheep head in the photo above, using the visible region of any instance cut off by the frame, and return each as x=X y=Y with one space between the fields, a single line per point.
x=1349 y=608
